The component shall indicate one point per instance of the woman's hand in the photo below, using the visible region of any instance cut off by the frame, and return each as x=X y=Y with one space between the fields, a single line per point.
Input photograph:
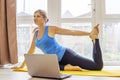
x=17 y=67
x=22 y=65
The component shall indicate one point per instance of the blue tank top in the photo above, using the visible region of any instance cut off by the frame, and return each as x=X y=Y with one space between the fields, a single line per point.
x=49 y=45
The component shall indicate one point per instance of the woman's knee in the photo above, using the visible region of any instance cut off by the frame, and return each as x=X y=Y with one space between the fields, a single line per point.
x=99 y=67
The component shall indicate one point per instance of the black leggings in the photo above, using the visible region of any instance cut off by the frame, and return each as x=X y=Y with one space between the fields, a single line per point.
x=70 y=57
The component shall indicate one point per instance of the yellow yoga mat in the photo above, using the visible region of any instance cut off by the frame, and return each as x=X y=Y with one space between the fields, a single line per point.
x=107 y=73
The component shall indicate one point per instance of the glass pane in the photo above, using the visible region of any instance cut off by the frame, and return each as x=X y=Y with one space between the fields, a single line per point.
x=112 y=6
x=80 y=44
x=24 y=37
x=24 y=31
x=111 y=41
x=27 y=7
x=75 y=8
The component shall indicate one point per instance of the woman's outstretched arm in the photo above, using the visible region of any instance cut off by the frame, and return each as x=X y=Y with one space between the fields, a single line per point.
x=62 y=31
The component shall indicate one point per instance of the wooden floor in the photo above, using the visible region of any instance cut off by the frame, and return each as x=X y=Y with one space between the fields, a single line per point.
x=8 y=74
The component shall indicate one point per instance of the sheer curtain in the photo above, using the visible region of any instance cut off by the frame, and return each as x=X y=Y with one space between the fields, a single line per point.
x=8 y=42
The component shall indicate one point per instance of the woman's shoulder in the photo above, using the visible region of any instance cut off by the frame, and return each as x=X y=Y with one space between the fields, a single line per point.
x=52 y=26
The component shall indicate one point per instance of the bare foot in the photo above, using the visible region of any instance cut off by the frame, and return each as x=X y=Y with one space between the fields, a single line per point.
x=70 y=67
x=94 y=33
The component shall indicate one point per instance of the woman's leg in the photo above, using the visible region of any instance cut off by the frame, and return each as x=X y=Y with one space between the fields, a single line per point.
x=74 y=59
x=97 y=54
x=70 y=57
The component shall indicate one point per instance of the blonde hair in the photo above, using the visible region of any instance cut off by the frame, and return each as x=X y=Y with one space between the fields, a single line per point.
x=43 y=13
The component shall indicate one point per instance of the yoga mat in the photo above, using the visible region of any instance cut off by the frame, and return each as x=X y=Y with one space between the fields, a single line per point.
x=105 y=73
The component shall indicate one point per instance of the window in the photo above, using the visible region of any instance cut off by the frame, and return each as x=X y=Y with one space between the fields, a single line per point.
x=112 y=7
x=29 y=6
x=25 y=25
x=110 y=32
x=111 y=41
x=78 y=44
x=80 y=8
x=77 y=16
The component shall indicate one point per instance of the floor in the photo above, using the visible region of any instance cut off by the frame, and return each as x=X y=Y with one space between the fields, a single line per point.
x=8 y=74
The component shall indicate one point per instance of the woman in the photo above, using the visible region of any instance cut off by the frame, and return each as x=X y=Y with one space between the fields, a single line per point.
x=68 y=59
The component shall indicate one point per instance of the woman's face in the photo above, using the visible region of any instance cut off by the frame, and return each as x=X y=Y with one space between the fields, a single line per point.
x=39 y=19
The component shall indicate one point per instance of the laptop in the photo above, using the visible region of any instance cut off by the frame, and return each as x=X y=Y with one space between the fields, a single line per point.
x=44 y=66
